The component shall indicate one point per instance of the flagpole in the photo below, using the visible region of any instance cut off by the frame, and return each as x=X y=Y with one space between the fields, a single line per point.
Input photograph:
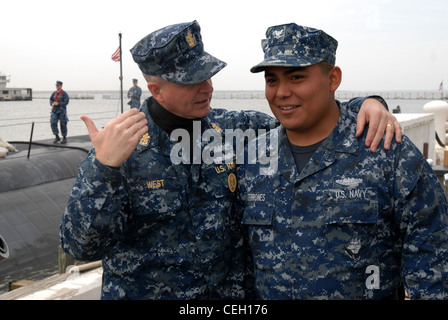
x=121 y=74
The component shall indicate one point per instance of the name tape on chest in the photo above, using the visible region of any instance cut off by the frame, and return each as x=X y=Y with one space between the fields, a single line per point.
x=256 y=197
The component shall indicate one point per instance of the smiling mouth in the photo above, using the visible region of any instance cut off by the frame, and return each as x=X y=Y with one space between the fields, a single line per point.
x=286 y=108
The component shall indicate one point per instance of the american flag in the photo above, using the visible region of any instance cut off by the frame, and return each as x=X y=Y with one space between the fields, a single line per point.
x=441 y=86
x=116 y=55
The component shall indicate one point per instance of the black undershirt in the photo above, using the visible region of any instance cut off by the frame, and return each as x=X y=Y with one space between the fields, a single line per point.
x=303 y=154
x=168 y=121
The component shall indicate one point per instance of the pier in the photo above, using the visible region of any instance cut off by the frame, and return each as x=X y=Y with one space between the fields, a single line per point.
x=340 y=95
x=391 y=95
x=13 y=94
x=344 y=95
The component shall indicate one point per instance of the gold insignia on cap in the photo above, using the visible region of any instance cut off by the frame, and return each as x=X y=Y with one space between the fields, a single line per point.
x=231 y=180
x=190 y=40
x=216 y=127
x=145 y=139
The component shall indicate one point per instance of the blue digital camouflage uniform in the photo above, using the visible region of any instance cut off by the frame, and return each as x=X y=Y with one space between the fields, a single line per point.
x=352 y=225
x=135 y=98
x=163 y=231
x=59 y=112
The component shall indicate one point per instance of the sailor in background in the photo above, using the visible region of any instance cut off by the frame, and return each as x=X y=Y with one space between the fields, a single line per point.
x=59 y=101
x=134 y=94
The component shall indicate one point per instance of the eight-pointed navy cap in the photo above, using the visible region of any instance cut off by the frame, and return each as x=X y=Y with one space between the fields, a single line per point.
x=291 y=45
x=176 y=53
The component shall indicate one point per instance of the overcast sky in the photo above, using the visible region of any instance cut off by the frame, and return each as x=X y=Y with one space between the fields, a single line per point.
x=383 y=44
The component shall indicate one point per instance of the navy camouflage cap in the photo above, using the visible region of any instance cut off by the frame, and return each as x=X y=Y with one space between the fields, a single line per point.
x=291 y=45
x=176 y=54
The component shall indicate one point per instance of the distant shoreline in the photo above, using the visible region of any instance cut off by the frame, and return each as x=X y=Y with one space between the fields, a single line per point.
x=259 y=94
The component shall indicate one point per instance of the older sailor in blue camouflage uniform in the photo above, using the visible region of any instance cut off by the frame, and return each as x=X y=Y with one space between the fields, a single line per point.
x=163 y=231
x=58 y=102
x=335 y=221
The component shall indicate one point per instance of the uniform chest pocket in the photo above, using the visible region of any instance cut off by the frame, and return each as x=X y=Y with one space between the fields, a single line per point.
x=351 y=231
x=258 y=216
x=219 y=180
x=353 y=215
x=157 y=202
x=351 y=206
x=259 y=221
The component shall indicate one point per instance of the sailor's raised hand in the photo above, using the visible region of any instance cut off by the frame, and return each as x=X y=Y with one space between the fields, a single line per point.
x=118 y=139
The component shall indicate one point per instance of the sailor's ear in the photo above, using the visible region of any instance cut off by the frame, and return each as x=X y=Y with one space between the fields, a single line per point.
x=154 y=88
x=335 y=78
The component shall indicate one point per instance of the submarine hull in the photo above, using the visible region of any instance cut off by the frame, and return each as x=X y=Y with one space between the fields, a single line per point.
x=34 y=191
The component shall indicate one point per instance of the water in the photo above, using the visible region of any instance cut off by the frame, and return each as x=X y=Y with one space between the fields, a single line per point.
x=17 y=116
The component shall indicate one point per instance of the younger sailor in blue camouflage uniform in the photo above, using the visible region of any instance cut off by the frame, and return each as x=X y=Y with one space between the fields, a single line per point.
x=134 y=93
x=163 y=231
x=336 y=221
x=58 y=102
